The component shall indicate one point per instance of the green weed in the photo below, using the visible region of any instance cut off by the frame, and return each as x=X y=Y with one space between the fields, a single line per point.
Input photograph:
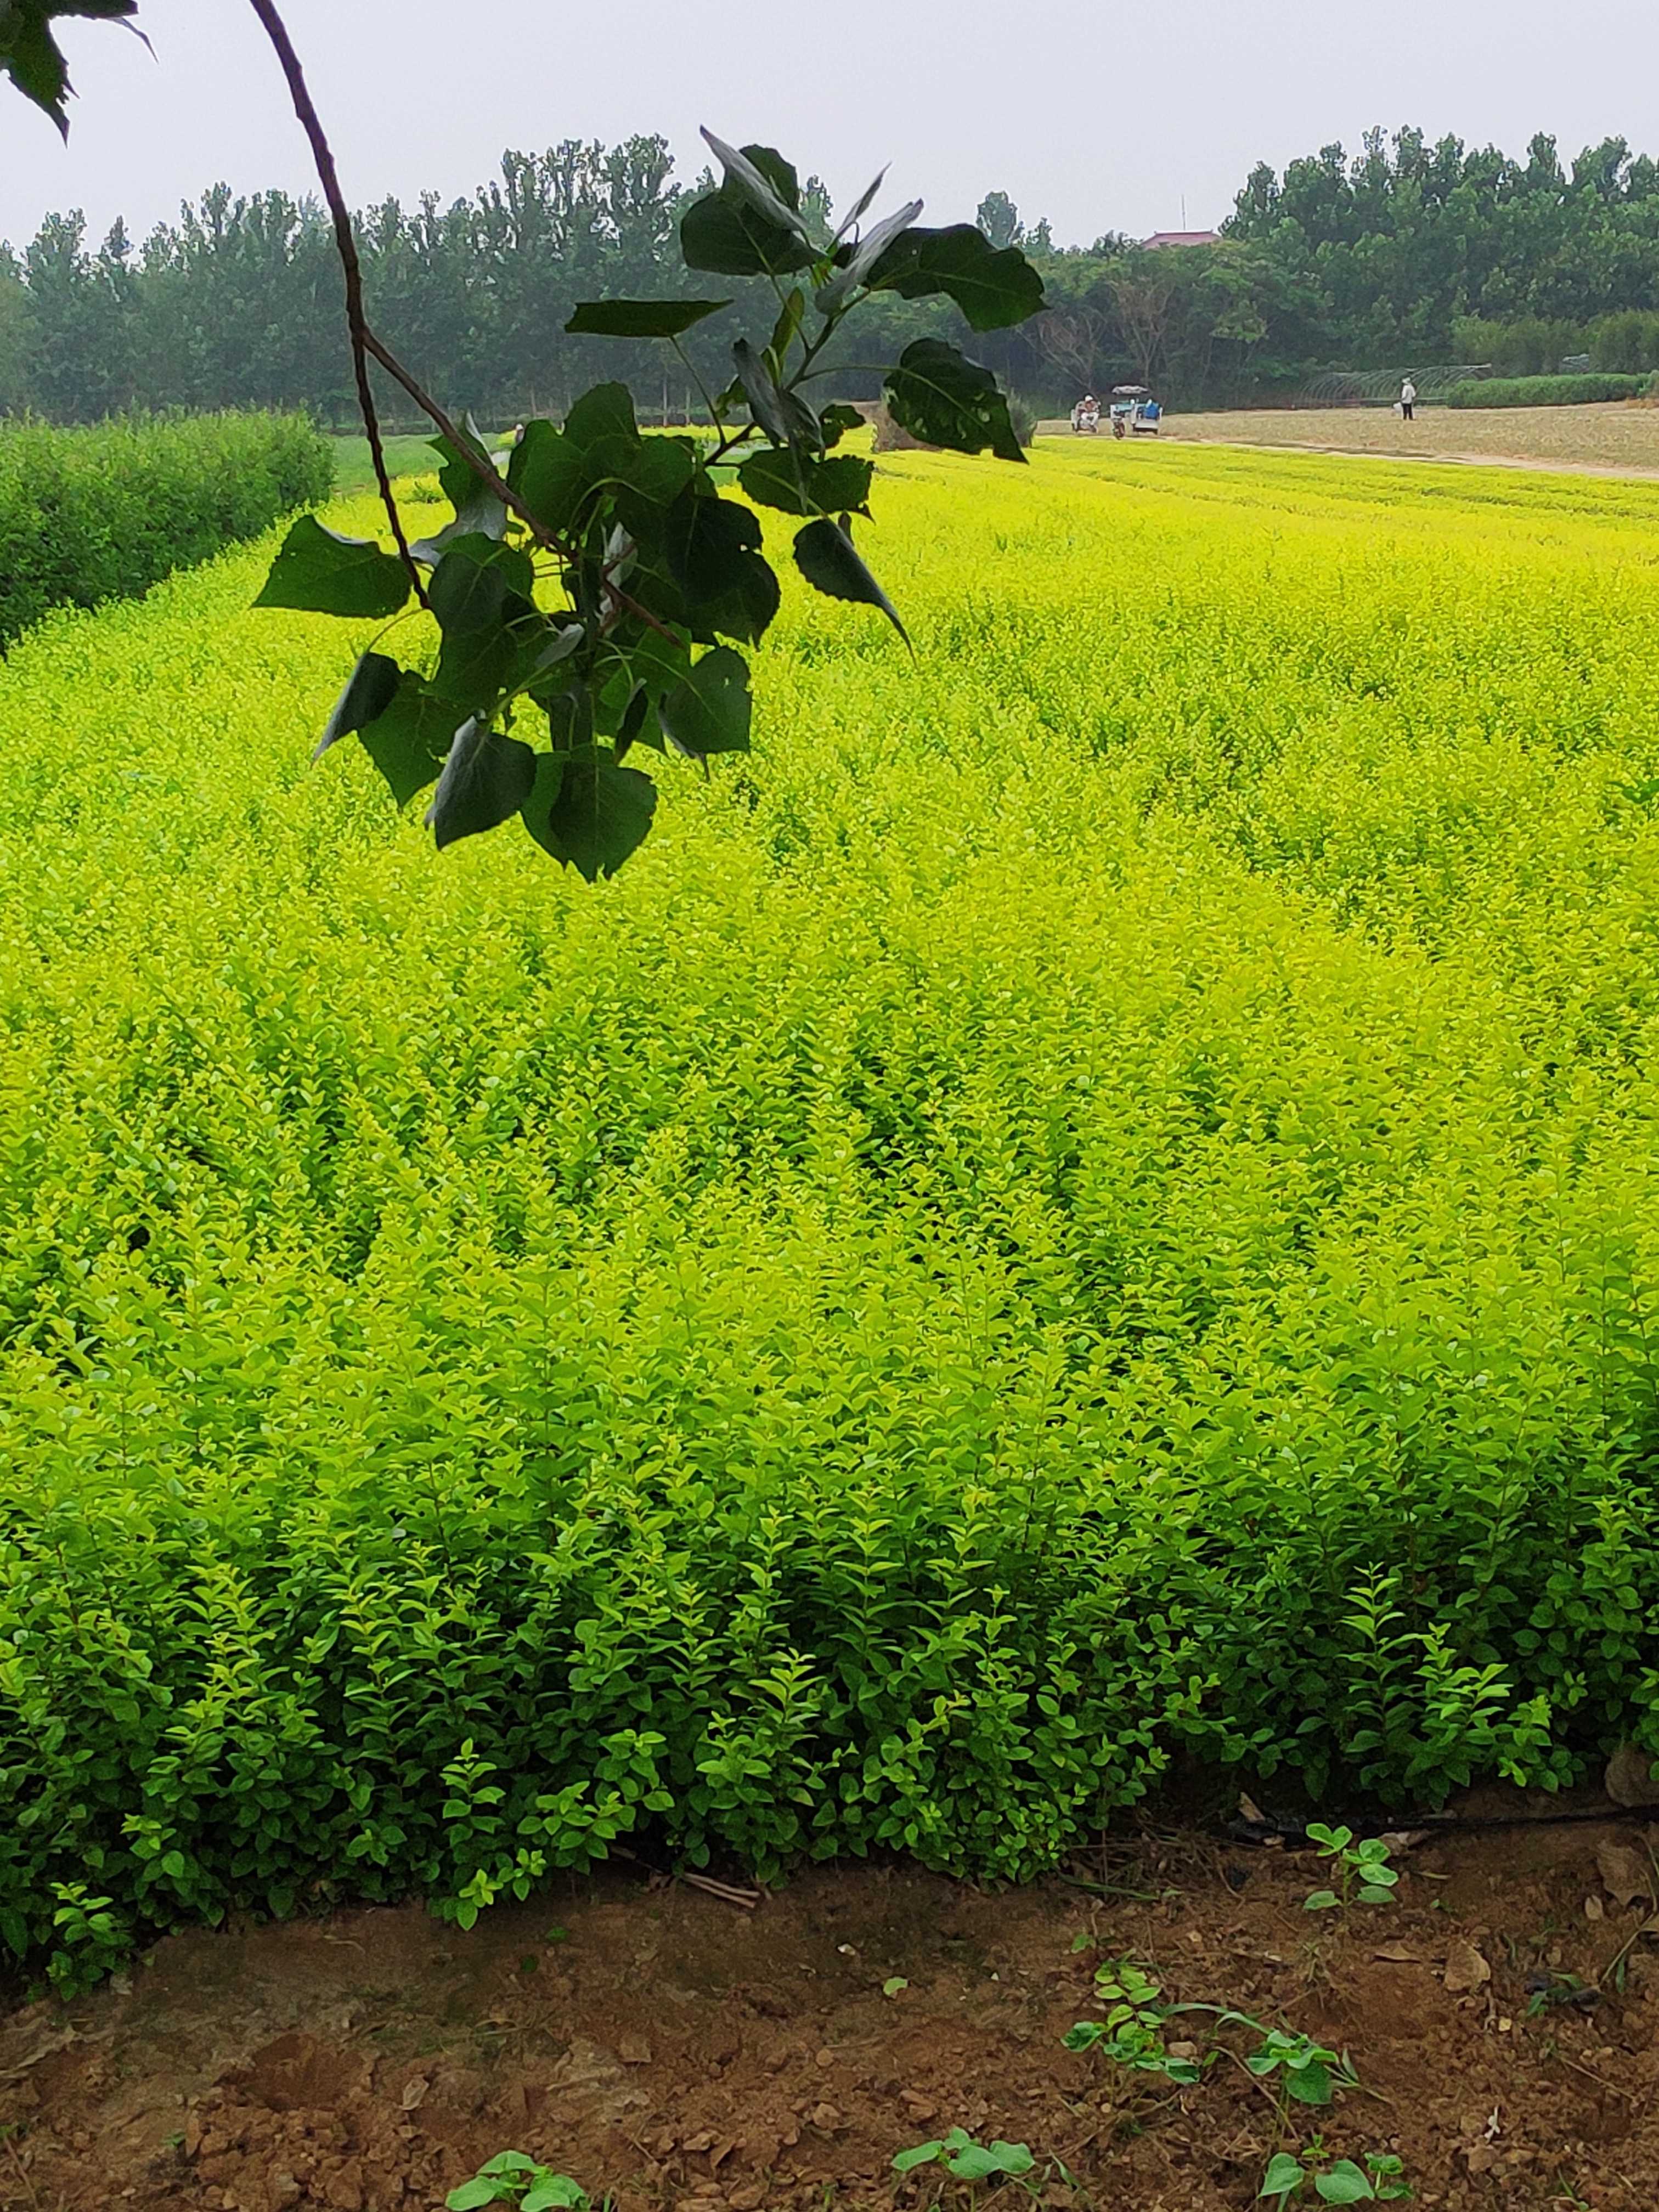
x=513 y=2179
x=1364 y=1874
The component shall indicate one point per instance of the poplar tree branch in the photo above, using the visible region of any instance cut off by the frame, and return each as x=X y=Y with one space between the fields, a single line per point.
x=362 y=340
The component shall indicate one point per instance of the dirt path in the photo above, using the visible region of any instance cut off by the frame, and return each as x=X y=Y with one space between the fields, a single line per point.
x=1620 y=439
x=1556 y=468
x=657 y=2042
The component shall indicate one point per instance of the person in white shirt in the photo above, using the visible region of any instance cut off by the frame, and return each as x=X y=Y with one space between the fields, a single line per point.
x=1407 y=398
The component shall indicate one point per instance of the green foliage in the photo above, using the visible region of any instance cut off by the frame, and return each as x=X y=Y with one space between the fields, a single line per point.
x=1307 y=2072
x=595 y=593
x=1132 y=2033
x=1544 y=390
x=31 y=56
x=1093 y=1208
x=511 y=2178
x=1379 y=2180
x=964 y=2159
x=1627 y=341
x=90 y=515
x=1365 y=1876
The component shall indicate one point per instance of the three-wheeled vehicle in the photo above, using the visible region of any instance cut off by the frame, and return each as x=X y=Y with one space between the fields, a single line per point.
x=1135 y=411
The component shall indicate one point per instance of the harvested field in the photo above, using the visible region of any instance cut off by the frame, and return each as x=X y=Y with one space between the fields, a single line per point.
x=1622 y=435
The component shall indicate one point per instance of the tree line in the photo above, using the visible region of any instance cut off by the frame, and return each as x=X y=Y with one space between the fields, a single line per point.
x=1405 y=253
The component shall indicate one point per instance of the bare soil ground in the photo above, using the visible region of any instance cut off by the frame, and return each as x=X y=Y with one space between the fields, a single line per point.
x=658 y=2043
x=1619 y=438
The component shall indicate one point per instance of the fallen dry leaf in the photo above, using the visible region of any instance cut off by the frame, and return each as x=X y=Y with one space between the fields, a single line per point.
x=1465 y=1969
x=1398 y=1954
x=414 y=2094
x=1630 y=1778
x=1250 y=1811
x=1626 y=1873
x=1594 y=1908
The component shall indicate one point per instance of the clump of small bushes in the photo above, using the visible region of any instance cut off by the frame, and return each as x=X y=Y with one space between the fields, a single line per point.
x=100 y=513
x=1545 y=391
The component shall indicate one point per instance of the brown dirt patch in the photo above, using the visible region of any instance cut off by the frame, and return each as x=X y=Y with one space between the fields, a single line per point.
x=683 y=2053
x=1620 y=439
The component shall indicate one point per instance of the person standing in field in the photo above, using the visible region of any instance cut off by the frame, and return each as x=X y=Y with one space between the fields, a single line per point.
x=1407 y=398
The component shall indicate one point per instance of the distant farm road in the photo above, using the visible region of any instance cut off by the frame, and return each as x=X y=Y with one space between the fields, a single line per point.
x=1620 y=438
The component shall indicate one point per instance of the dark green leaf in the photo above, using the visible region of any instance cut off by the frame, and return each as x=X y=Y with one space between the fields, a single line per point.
x=604 y=411
x=588 y=810
x=483 y=515
x=786 y=329
x=635 y=724
x=861 y=203
x=727 y=234
x=709 y=711
x=799 y=486
x=778 y=172
x=712 y=549
x=942 y=397
x=321 y=573
x=764 y=179
x=458 y=479
x=994 y=286
x=836 y=420
x=486 y=777
x=479 y=585
x=640 y=318
x=830 y=562
x=555 y=472
x=549 y=475
x=854 y=269
x=31 y=56
x=784 y=415
x=369 y=691
x=408 y=740
x=1308 y=2085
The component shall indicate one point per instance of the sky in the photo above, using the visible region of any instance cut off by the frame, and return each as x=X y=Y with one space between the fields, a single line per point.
x=1102 y=119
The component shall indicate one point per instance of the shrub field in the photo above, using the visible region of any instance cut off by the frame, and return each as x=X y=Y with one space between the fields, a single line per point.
x=88 y=515
x=1545 y=391
x=1094 y=1204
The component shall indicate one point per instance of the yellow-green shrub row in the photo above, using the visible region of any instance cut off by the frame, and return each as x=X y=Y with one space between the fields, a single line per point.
x=1093 y=1201
x=99 y=513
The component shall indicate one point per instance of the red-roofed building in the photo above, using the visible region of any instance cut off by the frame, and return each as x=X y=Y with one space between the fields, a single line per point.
x=1183 y=238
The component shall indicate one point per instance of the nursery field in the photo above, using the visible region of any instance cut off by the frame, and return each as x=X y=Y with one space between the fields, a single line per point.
x=1092 y=1208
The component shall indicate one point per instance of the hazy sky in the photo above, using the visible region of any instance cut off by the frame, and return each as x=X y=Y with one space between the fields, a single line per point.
x=1100 y=117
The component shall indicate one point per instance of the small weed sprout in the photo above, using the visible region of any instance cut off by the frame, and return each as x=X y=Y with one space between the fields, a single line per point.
x=1309 y=2073
x=1363 y=1875
x=513 y=2179
x=1132 y=2033
x=1379 y=2180
x=968 y=2160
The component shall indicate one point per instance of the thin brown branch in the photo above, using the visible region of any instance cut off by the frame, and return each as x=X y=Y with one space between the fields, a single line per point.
x=364 y=343
x=345 y=241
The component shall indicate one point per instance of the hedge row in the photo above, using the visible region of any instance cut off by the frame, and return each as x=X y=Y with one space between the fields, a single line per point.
x=1545 y=391
x=1093 y=1206
x=92 y=514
